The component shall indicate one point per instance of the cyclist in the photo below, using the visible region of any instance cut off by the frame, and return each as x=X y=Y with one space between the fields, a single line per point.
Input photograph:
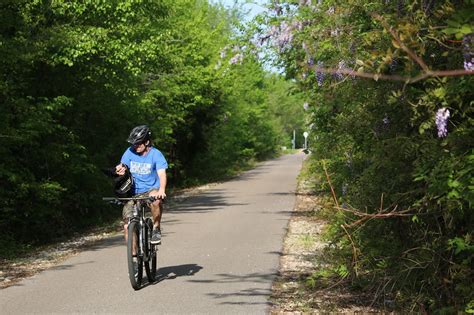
x=147 y=166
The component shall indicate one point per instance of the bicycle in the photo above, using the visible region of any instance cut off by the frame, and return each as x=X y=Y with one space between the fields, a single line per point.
x=140 y=251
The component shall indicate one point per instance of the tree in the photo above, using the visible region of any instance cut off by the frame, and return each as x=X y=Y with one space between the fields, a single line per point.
x=391 y=109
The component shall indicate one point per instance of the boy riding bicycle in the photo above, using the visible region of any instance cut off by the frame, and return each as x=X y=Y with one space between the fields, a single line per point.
x=147 y=166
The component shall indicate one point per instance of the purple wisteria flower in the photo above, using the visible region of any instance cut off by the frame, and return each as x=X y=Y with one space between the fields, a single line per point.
x=468 y=51
x=393 y=65
x=319 y=74
x=338 y=75
x=335 y=32
x=297 y=25
x=285 y=35
x=441 y=120
x=305 y=3
x=237 y=59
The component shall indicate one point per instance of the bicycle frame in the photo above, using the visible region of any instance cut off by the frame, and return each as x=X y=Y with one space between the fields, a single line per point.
x=138 y=215
x=140 y=252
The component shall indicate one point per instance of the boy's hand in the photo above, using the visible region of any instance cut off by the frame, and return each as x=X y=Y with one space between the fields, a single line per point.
x=120 y=169
x=160 y=193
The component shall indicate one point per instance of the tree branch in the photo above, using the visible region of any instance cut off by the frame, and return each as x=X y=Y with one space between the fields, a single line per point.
x=425 y=74
x=394 y=77
x=395 y=36
x=330 y=185
x=354 y=251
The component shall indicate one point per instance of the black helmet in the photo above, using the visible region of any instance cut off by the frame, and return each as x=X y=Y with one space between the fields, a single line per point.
x=139 y=135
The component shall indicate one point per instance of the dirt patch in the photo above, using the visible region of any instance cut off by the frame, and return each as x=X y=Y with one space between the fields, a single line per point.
x=303 y=256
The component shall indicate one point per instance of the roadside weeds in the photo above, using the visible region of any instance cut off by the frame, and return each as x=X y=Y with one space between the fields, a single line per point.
x=303 y=256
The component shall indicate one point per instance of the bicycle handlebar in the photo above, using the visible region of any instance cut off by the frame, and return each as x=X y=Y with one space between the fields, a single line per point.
x=148 y=198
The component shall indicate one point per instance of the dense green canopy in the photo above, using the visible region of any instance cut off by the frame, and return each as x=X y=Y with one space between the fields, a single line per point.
x=389 y=86
x=76 y=76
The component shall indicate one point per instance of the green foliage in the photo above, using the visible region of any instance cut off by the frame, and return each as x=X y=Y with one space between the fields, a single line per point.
x=78 y=75
x=380 y=141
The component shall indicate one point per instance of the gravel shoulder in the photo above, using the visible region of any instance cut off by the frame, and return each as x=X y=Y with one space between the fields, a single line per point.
x=303 y=255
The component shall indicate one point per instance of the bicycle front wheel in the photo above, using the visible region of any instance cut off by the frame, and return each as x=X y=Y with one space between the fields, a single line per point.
x=135 y=260
x=150 y=264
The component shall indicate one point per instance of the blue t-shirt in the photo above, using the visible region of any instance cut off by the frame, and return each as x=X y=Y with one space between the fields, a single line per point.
x=144 y=168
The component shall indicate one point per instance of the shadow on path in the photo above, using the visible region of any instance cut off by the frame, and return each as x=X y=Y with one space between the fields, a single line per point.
x=173 y=272
x=212 y=200
x=243 y=296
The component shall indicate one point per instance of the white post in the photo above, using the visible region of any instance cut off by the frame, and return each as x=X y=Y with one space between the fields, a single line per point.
x=305 y=134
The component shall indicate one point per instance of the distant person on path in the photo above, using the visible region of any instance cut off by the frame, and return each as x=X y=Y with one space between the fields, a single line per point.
x=147 y=166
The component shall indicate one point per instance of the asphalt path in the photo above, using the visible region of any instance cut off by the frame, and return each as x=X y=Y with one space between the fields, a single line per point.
x=220 y=254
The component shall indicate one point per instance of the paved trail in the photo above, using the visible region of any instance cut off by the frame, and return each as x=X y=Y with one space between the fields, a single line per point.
x=219 y=255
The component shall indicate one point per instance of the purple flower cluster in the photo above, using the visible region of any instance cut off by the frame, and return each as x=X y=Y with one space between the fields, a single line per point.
x=441 y=120
x=237 y=59
x=340 y=66
x=335 y=32
x=282 y=35
x=468 y=51
x=319 y=74
x=305 y=3
x=393 y=65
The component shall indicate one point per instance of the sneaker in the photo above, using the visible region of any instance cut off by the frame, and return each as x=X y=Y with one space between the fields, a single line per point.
x=156 y=237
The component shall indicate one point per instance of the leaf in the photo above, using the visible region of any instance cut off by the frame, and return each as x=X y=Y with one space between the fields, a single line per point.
x=453 y=23
x=440 y=93
x=466 y=29
x=395 y=44
x=454 y=183
x=450 y=31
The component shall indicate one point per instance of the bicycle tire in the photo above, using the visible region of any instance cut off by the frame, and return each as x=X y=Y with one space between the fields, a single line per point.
x=150 y=263
x=135 y=264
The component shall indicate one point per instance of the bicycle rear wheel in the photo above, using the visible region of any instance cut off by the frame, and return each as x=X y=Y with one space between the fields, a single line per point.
x=135 y=260
x=150 y=249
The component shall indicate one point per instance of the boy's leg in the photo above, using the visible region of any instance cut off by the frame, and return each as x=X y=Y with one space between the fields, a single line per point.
x=126 y=214
x=156 y=212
